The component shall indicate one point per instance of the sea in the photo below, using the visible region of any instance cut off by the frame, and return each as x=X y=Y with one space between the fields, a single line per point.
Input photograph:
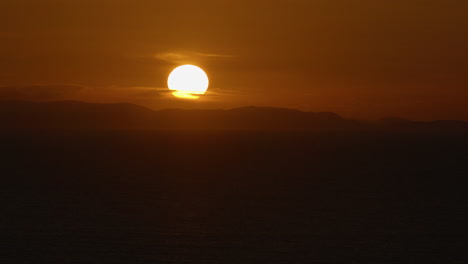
x=237 y=197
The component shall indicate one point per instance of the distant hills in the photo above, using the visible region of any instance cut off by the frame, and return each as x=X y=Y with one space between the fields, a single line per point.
x=81 y=115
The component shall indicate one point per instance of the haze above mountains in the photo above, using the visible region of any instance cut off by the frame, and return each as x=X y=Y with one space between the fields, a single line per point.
x=81 y=115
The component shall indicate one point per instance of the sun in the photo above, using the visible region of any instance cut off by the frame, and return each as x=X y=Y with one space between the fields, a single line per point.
x=188 y=82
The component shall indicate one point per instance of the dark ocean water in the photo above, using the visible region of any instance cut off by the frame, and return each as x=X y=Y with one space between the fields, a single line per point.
x=233 y=197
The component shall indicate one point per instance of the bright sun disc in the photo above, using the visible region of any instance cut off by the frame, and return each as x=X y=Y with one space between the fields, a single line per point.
x=188 y=81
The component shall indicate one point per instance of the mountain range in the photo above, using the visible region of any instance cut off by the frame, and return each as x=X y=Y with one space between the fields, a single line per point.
x=81 y=115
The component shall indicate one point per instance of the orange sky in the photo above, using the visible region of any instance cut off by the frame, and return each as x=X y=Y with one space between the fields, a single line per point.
x=362 y=59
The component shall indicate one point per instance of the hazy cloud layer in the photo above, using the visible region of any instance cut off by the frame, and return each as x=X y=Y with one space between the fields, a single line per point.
x=39 y=92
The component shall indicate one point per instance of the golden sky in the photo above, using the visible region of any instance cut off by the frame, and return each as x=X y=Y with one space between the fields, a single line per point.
x=361 y=59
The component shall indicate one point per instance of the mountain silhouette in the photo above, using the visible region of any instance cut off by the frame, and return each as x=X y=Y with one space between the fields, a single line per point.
x=81 y=115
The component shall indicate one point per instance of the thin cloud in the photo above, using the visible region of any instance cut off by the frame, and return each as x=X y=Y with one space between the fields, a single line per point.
x=214 y=55
x=148 y=92
x=221 y=92
x=171 y=57
x=188 y=57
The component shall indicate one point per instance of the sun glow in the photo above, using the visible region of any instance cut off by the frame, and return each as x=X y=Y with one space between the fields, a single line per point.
x=188 y=82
